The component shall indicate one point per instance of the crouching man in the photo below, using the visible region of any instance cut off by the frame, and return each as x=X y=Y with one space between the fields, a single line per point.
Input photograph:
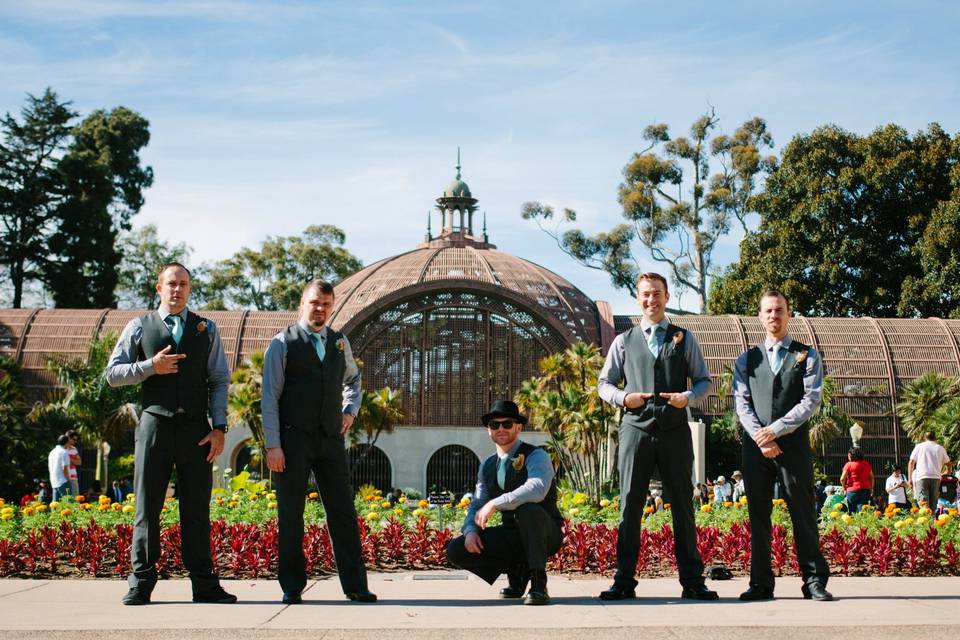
x=517 y=481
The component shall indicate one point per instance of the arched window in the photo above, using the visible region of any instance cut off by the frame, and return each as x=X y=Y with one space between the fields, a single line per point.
x=451 y=353
x=249 y=459
x=369 y=465
x=452 y=468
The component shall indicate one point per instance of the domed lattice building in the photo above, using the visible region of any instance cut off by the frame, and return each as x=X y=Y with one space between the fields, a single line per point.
x=456 y=323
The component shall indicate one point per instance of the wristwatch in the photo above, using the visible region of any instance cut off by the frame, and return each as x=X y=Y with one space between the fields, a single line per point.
x=220 y=427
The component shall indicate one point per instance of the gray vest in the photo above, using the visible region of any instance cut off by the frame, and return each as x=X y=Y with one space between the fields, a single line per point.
x=667 y=373
x=515 y=479
x=772 y=396
x=312 y=398
x=187 y=389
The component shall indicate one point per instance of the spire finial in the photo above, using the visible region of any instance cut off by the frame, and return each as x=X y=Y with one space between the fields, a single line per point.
x=429 y=230
x=458 y=163
x=485 y=238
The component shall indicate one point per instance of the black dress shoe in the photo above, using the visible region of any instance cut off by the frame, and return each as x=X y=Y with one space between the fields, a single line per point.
x=618 y=592
x=538 y=588
x=136 y=597
x=755 y=594
x=215 y=596
x=517 y=585
x=699 y=592
x=293 y=597
x=816 y=591
x=362 y=596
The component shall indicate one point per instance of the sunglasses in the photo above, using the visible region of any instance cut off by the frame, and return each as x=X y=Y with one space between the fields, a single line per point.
x=493 y=425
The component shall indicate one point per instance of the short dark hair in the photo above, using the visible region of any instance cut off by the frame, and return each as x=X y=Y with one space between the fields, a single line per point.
x=73 y=434
x=897 y=467
x=651 y=276
x=62 y=440
x=930 y=435
x=168 y=265
x=773 y=293
x=856 y=453
x=320 y=285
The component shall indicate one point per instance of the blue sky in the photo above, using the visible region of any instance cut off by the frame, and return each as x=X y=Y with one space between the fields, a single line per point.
x=270 y=116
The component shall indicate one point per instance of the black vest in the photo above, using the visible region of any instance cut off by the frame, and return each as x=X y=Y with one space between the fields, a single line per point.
x=312 y=398
x=515 y=479
x=667 y=373
x=772 y=396
x=187 y=389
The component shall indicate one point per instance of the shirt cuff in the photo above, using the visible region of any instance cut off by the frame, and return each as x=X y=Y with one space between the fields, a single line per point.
x=500 y=501
x=271 y=439
x=146 y=366
x=778 y=428
x=620 y=399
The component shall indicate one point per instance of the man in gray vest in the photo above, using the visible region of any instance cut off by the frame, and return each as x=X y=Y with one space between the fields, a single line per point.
x=777 y=389
x=177 y=358
x=654 y=361
x=311 y=395
x=517 y=481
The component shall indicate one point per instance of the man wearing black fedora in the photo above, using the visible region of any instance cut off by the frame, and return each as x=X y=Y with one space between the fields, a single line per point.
x=517 y=481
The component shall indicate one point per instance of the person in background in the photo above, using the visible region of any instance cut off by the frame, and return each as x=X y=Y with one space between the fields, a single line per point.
x=820 y=490
x=834 y=498
x=116 y=492
x=58 y=463
x=928 y=461
x=75 y=461
x=739 y=488
x=722 y=491
x=857 y=479
x=896 y=488
x=43 y=492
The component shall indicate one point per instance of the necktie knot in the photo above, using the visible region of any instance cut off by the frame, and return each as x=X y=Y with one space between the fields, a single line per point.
x=176 y=328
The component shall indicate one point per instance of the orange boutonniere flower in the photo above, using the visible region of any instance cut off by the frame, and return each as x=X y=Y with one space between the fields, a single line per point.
x=201 y=326
x=518 y=462
x=340 y=345
x=801 y=357
x=678 y=337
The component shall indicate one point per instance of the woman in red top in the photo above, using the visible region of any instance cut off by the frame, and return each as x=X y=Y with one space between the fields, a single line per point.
x=857 y=479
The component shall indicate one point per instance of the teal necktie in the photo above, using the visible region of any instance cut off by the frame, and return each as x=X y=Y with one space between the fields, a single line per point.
x=318 y=345
x=176 y=327
x=653 y=340
x=502 y=471
x=777 y=357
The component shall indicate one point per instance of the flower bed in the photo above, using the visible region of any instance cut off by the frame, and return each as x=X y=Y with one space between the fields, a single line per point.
x=79 y=539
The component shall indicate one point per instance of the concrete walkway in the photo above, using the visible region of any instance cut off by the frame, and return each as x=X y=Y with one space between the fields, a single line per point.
x=455 y=605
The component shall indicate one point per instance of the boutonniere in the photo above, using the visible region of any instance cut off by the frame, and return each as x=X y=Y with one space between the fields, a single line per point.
x=518 y=462
x=340 y=345
x=201 y=327
x=801 y=357
x=678 y=337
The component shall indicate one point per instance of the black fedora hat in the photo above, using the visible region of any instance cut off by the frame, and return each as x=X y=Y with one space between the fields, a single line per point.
x=504 y=409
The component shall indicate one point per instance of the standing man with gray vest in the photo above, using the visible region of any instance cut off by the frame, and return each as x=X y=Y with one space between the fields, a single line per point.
x=777 y=388
x=654 y=361
x=517 y=481
x=311 y=395
x=177 y=358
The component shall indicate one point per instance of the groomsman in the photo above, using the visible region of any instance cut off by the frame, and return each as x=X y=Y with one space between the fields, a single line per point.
x=655 y=360
x=311 y=395
x=777 y=388
x=177 y=358
x=517 y=481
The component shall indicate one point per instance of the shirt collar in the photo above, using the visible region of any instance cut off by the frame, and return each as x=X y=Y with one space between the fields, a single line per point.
x=512 y=452
x=164 y=313
x=785 y=342
x=645 y=324
x=309 y=331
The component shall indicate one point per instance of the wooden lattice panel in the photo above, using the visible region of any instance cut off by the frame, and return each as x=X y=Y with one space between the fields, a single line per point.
x=13 y=325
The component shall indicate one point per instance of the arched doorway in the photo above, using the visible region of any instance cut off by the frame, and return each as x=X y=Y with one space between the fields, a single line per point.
x=369 y=465
x=452 y=468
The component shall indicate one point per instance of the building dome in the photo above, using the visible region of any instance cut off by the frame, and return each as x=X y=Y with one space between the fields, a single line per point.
x=478 y=267
x=457 y=189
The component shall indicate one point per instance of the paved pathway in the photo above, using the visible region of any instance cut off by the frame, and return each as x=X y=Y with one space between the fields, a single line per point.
x=453 y=605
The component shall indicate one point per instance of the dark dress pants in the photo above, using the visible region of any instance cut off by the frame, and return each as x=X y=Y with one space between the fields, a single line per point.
x=794 y=471
x=163 y=443
x=326 y=457
x=527 y=542
x=671 y=451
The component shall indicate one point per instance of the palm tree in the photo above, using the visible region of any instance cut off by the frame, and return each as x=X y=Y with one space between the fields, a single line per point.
x=379 y=412
x=563 y=402
x=920 y=399
x=944 y=422
x=243 y=400
x=100 y=413
x=830 y=421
